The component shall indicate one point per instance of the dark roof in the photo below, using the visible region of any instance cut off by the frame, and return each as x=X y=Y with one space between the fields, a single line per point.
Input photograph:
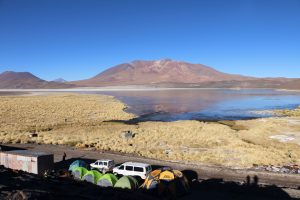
x=28 y=153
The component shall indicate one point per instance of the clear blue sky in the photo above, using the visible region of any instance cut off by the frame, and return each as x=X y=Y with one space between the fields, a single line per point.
x=76 y=39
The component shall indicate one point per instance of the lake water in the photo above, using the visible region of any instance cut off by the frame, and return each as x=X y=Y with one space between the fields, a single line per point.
x=204 y=104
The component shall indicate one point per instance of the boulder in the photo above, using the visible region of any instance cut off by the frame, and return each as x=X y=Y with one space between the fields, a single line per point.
x=127 y=135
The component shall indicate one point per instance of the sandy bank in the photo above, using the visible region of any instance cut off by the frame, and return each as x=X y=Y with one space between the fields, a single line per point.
x=87 y=121
x=132 y=88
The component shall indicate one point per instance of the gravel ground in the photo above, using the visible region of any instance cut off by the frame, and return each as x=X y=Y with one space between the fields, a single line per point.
x=213 y=182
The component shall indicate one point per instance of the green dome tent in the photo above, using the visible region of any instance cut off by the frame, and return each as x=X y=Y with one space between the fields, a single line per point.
x=77 y=163
x=107 y=180
x=79 y=172
x=92 y=176
x=127 y=182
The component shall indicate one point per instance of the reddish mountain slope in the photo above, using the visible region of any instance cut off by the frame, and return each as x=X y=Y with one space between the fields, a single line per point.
x=26 y=80
x=159 y=72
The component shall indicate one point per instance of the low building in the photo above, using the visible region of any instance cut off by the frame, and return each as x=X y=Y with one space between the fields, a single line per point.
x=25 y=160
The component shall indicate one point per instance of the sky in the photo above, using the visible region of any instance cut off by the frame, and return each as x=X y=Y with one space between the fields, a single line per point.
x=77 y=39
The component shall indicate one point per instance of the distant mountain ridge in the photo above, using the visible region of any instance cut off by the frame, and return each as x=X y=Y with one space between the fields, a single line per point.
x=26 y=80
x=60 y=80
x=156 y=73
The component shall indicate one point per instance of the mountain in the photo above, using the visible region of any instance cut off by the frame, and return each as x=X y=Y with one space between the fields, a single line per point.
x=60 y=80
x=26 y=80
x=159 y=72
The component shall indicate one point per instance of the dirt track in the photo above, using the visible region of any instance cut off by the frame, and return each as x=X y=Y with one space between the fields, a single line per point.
x=288 y=182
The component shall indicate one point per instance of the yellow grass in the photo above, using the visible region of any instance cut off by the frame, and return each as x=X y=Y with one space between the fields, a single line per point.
x=290 y=113
x=82 y=121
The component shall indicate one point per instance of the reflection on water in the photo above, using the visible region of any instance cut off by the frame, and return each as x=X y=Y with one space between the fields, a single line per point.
x=170 y=105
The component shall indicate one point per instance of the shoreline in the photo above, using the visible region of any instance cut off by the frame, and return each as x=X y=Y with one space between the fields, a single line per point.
x=135 y=88
x=143 y=118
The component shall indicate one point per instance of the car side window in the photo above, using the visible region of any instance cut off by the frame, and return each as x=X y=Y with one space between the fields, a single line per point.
x=96 y=163
x=121 y=167
x=138 y=169
x=129 y=168
x=100 y=163
x=105 y=163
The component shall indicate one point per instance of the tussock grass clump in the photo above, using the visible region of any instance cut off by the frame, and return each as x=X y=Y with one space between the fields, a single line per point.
x=290 y=113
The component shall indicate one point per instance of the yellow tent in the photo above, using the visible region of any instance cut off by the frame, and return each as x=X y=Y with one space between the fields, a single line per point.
x=167 y=181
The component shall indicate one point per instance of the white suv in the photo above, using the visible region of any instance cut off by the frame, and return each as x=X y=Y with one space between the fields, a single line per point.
x=133 y=169
x=103 y=165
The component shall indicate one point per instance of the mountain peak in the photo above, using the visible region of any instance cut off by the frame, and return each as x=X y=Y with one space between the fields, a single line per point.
x=13 y=74
x=157 y=61
x=26 y=80
x=163 y=71
x=59 y=80
x=7 y=72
